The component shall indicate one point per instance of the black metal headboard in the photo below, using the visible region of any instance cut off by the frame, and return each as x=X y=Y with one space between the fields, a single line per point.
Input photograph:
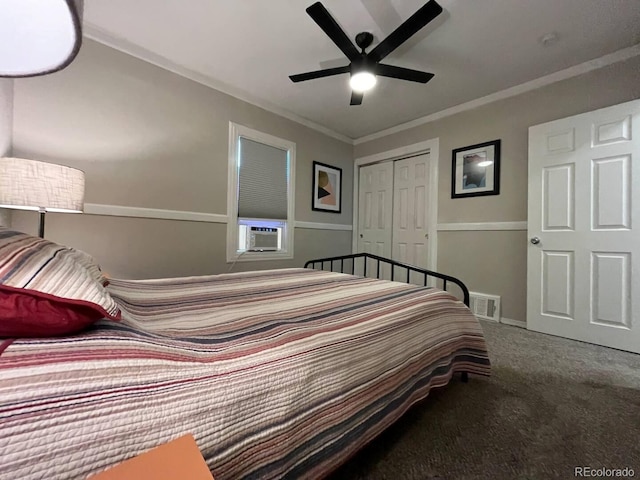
x=393 y=264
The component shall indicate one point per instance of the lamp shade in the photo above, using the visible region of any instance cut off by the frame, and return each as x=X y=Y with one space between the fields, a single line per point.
x=46 y=187
x=38 y=36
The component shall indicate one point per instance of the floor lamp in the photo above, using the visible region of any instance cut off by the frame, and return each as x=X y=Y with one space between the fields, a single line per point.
x=43 y=187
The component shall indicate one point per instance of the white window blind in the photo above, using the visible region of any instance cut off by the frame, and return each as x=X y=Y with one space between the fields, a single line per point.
x=262 y=178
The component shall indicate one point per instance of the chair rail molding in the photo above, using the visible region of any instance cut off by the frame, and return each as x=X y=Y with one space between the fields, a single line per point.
x=184 y=215
x=481 y=226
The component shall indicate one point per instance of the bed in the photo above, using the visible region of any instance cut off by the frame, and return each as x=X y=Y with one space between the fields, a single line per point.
x=277 y=374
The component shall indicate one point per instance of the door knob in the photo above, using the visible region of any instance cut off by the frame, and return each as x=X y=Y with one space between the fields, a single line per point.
x=535 y=240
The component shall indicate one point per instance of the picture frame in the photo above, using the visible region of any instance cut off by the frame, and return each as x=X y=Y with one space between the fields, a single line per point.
x=327 y=188
x=475 y=170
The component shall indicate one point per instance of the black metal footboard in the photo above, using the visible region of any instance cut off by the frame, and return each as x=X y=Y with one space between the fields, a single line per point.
x=349 y=261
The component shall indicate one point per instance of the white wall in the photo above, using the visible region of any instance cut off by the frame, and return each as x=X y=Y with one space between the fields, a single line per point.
x=6 y=131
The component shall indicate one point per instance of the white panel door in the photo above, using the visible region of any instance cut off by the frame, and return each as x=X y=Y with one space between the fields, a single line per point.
x=584 y=227
x=410 y=212
x=375 y=206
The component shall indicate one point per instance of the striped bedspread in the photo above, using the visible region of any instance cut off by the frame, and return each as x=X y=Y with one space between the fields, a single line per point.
x=280 y=373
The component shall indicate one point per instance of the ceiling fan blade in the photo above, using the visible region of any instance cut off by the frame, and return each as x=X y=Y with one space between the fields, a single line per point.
x=356 y=98
x=327 y=72
x=403 y=73
x=326 y=22
x=415 y=22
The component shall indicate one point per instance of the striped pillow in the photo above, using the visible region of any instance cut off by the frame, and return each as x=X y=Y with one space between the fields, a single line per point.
x=48 y=289
x=88 y=262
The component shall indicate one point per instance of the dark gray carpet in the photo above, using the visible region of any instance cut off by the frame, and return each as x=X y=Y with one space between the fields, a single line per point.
x=552 y=404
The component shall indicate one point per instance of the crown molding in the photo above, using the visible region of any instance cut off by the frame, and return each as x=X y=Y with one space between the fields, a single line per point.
x=118 y=43
x=93 y=32
x=574 y=71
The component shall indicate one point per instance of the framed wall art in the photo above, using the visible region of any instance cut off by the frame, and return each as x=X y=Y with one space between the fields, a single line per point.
x=327 y=188
x=475 y=170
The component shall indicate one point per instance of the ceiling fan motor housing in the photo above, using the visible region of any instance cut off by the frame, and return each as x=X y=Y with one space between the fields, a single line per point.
x=363 y=40
x=363 y=64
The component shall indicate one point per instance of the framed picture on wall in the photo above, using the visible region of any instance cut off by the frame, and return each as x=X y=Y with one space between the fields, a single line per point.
x=475 y=170
x=327 y=188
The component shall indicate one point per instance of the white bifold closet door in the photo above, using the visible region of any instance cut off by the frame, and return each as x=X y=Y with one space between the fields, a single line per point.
x=584 y=227
x=392 y=212
x=375 y=205
x=410 y=220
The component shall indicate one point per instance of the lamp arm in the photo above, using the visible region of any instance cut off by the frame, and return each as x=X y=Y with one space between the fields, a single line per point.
x=41 y=229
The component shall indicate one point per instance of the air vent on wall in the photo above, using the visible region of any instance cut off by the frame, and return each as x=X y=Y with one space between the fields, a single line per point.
x=485 y=306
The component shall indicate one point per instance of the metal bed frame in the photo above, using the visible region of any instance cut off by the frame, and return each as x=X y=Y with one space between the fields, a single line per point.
x=408 y=268
x=446 y=279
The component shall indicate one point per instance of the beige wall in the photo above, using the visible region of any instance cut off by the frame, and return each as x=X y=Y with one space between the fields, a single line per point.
x=495 y=262
x=6 y=115
x=152 y=248
x=6 y=130
x=146 y=137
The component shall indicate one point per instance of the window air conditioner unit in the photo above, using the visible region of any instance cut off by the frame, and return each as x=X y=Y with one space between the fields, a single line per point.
x=262 y=239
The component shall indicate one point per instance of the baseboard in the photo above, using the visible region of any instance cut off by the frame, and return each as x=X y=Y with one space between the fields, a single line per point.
x=513 y=323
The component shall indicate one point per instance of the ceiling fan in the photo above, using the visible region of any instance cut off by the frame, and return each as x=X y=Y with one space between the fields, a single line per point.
x=365 y=66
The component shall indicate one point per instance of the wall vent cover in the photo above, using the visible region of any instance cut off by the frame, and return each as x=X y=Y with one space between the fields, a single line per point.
x=485 y=306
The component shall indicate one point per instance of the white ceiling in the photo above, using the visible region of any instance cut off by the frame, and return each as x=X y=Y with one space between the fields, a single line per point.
x=474 y=48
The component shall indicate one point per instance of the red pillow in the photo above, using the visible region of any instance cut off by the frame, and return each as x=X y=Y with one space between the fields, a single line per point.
x=47 y=289
x=26 y=315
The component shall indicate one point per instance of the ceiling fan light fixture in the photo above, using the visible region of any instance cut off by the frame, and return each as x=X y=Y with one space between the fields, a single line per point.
x=362 y=81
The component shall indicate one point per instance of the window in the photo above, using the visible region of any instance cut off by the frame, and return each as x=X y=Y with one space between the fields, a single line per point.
x=260 y=196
